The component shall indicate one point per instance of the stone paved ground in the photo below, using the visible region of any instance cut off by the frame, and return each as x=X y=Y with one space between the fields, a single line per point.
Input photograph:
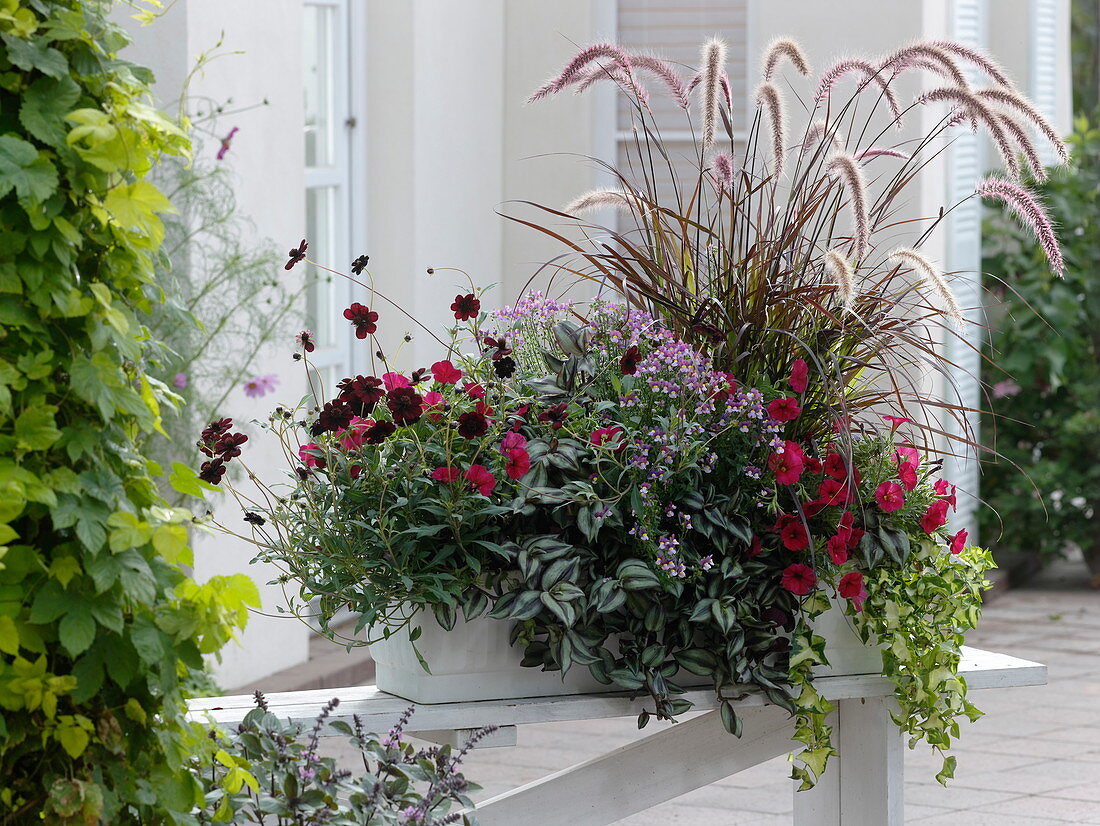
x=1033 y=760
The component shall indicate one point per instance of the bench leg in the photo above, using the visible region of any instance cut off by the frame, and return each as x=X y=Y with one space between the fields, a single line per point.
x=864 y=785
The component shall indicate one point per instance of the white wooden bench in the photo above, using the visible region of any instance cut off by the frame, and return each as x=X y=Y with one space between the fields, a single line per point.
x=862 y=787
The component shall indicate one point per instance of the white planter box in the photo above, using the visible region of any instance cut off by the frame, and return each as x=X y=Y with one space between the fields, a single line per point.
x=845 y=651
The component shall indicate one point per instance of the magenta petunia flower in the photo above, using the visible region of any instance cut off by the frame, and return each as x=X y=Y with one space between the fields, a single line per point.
x=481 y=479
x=518 y=462
x=890 y=496
x=800 y=376
x=784 y=410
x=446 y=373
x=799 y=579
x=851 y=587
x=935 y=517
x=958 y=542
x=445 y=474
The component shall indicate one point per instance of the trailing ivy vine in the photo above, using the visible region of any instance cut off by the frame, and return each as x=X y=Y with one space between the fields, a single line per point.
x=98 y=622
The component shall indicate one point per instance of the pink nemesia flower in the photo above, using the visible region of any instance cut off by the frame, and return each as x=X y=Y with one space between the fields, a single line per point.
x=851 y=587
x=446 y=373
x=890 y=496
x=260 y=386
x=784 y=410
x=391 y=381
x=481 y=479
x=445 y=474
x=958 y=542
x=517 y=464
x=935 y=517
x=308 y=459
x=512 y=441
x=799 y=579
x=800 y=376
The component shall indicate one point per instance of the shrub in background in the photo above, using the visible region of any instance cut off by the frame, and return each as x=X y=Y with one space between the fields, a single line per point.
x=98 y=623
x=1046 y=403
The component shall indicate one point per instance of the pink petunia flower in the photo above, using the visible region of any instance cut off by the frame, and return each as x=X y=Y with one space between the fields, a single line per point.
x=518 y=462
x=445 y=474
x=612 y=435
x=446 y=373
x=890 y=496
x=784 y=410
x=907 y=474
x=800 y=376
x=935 y=517
x=896 y=422
x=512 y=441
x=907 y=453
x=354 y=435
x=958 y=542
x=946 y=490
x=837 y=548
x=474 y=390
x=306 y=454
x=851 y=587
x=792 y=533
x=481 y=479
x=391 y=381
x=799 y=579
x=789 y=464
x=433 y=405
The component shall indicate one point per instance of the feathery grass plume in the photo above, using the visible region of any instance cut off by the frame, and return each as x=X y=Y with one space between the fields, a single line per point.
x=714 y=59
x=573 y=70
x=926 y=56
x=767 y=95
x=881 y=152
x=976 y=57
x=598 y=199
x=840 y=271
x=1022 y=105
x=723 y=79
x=1025 y=206
x=870 y=73
x=780 y=48
x=723 y=169
x=934 y=278
x=847 y=167
x=975 y=108
x=627 y=82
x=816 y=133
x=1023 y=140
x=664 y=71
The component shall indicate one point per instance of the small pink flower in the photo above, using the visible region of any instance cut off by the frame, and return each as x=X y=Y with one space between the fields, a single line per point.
x=445 y=474
x=890 y=496
x=958 y=542
x=896 y=422
x=800 y=376
x=446 y=373
x=784 y=410
x=260 y=386
x=612 y=435
x=512 y=441
x=907 y=453
x=179 y=381
x=518 y=462
x=1005 y=389
x=391 y=381
x=354 y=436
x=306 y=454
x=851 y=587
x=947 y=491
x=935 y=517
x=789 y=464
x=433 y=405
x=799 y=579
x=481 y=479
x=474 y=390
x=907 y=474
x=837 y=548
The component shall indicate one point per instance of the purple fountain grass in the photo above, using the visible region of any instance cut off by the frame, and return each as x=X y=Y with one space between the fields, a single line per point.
x=1022 y=105
x=767 y=96
x=665 y=73
x=840 y=273
x=926 y=56
x=572 y=72
x=881 y=152
x=714 y=59
x=723 y=169
x=934 y=278
x=870 y=73
x=1025 y=206
x=598 y=199
x=627 y=82
x=1023 y=140
x=816 y=133
x=780 y=48
x=849 y=171
x=977 y=58
x=975 y=108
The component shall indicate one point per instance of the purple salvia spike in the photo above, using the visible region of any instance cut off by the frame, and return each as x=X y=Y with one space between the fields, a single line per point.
x=714 y=59
x=870 y=73
x=784 y=48
x=665 y=73
x=881 y=152
x=767 y=95
x=572 y=71
x=913 y=55
x=1025 y=206
x=932 y=276
x=1025 y=108
x=978 y=58
x=850 y=173
x=1023 y=140
x=975 y=108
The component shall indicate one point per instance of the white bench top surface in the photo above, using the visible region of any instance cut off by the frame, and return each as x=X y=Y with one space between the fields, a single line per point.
x=378 y=710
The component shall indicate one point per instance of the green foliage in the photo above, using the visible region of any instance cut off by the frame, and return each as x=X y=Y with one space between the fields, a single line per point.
x=265 y=772
x=1045 y=344
x=98 y=623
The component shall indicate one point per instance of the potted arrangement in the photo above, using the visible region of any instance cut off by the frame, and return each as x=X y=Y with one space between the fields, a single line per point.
x=693 y=477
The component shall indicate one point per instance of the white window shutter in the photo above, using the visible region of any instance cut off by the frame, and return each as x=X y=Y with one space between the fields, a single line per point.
x=964 y=260
x=1044 y=66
